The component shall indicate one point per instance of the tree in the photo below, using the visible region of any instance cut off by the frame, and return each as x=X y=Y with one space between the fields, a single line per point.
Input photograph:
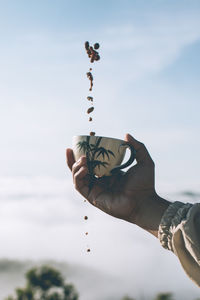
x=45 y=283
x=127 y=298
x=164 y=296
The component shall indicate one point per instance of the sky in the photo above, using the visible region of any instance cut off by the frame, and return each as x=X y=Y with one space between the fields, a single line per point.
x=146 y=84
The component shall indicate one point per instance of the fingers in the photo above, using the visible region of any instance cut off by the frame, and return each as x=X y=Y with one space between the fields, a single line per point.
x=81 y=163
x=79 y=169
x=70 y=158
x=79 y=173
x=142 y=155
x=79 y=177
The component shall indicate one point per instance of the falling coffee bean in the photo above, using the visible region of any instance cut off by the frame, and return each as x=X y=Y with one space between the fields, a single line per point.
x=86 y=217
x=90 y=109
x=96 y=46
x=92 y=58
x=87 y=45
x=88 y=250
x=97 y=57
x=90 y=98
x=89 y=53
x=90 y=77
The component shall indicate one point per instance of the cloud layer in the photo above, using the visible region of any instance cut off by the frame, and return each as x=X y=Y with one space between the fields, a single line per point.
x=43 y=218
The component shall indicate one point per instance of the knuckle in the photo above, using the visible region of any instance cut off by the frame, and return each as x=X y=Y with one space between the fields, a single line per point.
x=80 y=173
x=74 y=167
x=76 y=176
x=142 y=145
x=151 y=163
x=83 y=160
x=83 y=171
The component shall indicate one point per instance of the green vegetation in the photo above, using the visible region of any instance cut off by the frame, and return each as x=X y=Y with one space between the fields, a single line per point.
x=160 y=296
x=45 y=283
x=164 y=296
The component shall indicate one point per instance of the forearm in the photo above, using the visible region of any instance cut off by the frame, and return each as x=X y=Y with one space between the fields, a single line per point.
x=150 y=212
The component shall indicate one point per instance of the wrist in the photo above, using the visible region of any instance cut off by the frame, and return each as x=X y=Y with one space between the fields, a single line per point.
x=150 y=212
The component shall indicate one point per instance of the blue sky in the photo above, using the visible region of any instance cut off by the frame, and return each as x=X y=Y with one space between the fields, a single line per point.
x=148 y=77
x=146 y=83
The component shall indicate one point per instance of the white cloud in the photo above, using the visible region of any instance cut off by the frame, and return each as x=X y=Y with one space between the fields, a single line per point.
x=44 y=218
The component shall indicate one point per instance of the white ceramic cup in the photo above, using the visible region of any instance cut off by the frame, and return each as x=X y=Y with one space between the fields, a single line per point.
x=104 y=155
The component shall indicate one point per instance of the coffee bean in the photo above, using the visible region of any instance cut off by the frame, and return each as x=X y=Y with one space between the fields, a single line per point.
x=89 y=52
x=88 y=250
x=89 y=75
x=87 y=45
x=86 y=217
x=90 y=98
x=97 y=57
x=86 y=233
x=92 y=133
x=96 y=46
x=92 y=58
x=90 y=109
x=90 y=119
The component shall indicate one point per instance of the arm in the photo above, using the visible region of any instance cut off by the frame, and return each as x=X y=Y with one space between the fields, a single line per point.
x=131 y=196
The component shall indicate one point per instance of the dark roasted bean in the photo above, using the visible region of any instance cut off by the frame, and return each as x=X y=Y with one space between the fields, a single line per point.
x=89 y=52
x=92 y=58
x=89 y=75
x=86 y=217
x=92 y=133
x=96 y=46
x=90 y=109
x=90 y=119
x=87 y=45
x=90 y=98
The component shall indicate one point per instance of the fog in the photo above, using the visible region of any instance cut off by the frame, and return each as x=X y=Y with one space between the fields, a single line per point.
x=43 y=219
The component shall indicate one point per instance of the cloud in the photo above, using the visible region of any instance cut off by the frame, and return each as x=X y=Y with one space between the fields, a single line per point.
x=43 y=218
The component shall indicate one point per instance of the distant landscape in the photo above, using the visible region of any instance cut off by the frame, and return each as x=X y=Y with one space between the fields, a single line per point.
x=88 y=282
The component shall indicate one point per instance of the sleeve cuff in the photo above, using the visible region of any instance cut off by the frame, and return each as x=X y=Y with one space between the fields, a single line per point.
x=174 y=214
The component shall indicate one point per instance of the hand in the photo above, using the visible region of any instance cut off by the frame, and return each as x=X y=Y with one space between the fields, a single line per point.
x=128 y=195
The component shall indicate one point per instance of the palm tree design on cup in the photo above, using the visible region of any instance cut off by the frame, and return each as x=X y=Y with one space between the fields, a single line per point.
x=93 y=152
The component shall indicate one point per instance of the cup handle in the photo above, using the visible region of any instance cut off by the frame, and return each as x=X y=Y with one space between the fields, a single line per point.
x=129 y=162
